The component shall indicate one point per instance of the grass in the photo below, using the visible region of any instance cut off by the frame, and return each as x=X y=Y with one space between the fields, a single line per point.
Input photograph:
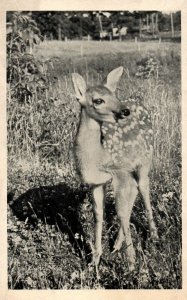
x=50 y=219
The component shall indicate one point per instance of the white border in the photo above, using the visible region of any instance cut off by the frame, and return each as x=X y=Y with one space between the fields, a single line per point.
x=162 y=5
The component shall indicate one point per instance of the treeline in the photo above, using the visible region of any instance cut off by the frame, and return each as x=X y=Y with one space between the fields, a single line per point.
x=79 y=24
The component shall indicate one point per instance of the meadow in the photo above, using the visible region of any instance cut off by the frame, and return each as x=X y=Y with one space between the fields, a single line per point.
x=50 y=218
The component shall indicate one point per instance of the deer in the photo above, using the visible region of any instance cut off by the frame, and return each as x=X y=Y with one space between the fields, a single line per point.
x=114 y=145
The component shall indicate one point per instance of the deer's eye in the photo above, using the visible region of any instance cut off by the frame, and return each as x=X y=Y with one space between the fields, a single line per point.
x=98 y=101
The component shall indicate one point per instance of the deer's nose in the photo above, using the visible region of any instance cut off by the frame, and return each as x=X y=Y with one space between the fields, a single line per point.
x=125 y=112
x=122 y=113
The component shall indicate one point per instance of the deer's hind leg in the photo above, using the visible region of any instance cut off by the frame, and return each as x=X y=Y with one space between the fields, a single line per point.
x=143 y=185
x=125 y=189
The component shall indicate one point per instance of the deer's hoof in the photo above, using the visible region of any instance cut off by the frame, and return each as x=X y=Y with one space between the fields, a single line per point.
x=117 y=247
x=96 y=258
x=131 y=266
x=154 y=234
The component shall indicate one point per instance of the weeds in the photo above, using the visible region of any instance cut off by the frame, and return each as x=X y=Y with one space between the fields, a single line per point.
x=50 y=220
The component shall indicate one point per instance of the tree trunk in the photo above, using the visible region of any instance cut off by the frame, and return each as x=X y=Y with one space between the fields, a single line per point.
x=112 y=26
x=100 y=24
x=59 y=32
x=80 y=27
x=140 y=26
x=153 y=25
x=172 y=26
x=156 y=23
x=147 y=22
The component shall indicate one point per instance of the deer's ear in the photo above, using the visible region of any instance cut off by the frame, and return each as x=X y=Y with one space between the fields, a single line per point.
x=79 y=86
x=113 y=79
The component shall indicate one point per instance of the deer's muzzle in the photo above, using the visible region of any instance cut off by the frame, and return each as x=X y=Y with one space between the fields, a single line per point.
x=122 y=114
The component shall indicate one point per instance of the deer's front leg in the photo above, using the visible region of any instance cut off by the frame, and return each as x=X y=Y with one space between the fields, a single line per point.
x=98 y=197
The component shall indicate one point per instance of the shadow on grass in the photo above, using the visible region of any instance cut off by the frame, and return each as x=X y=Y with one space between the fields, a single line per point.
x=60 y=205
x=57 y=205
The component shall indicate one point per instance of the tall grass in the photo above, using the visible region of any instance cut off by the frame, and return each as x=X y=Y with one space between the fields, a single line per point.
x=41 y=132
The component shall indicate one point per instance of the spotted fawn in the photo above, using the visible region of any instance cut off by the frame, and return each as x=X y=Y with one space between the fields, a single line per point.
x=114 y=143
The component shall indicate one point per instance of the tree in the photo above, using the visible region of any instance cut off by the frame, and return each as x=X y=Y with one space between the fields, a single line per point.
x=177 y=20
x=77 y=24
x=144 y=21
x=172 y=27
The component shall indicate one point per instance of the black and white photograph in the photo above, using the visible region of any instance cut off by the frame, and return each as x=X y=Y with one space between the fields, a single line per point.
x=94 y=149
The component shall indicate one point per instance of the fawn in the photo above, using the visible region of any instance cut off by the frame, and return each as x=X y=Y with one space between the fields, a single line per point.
x=114 y=143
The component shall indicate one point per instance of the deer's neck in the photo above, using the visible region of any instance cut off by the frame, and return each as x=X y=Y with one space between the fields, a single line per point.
x=89 y=129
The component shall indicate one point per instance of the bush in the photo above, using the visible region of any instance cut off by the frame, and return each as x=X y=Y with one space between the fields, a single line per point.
x=24 y=72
